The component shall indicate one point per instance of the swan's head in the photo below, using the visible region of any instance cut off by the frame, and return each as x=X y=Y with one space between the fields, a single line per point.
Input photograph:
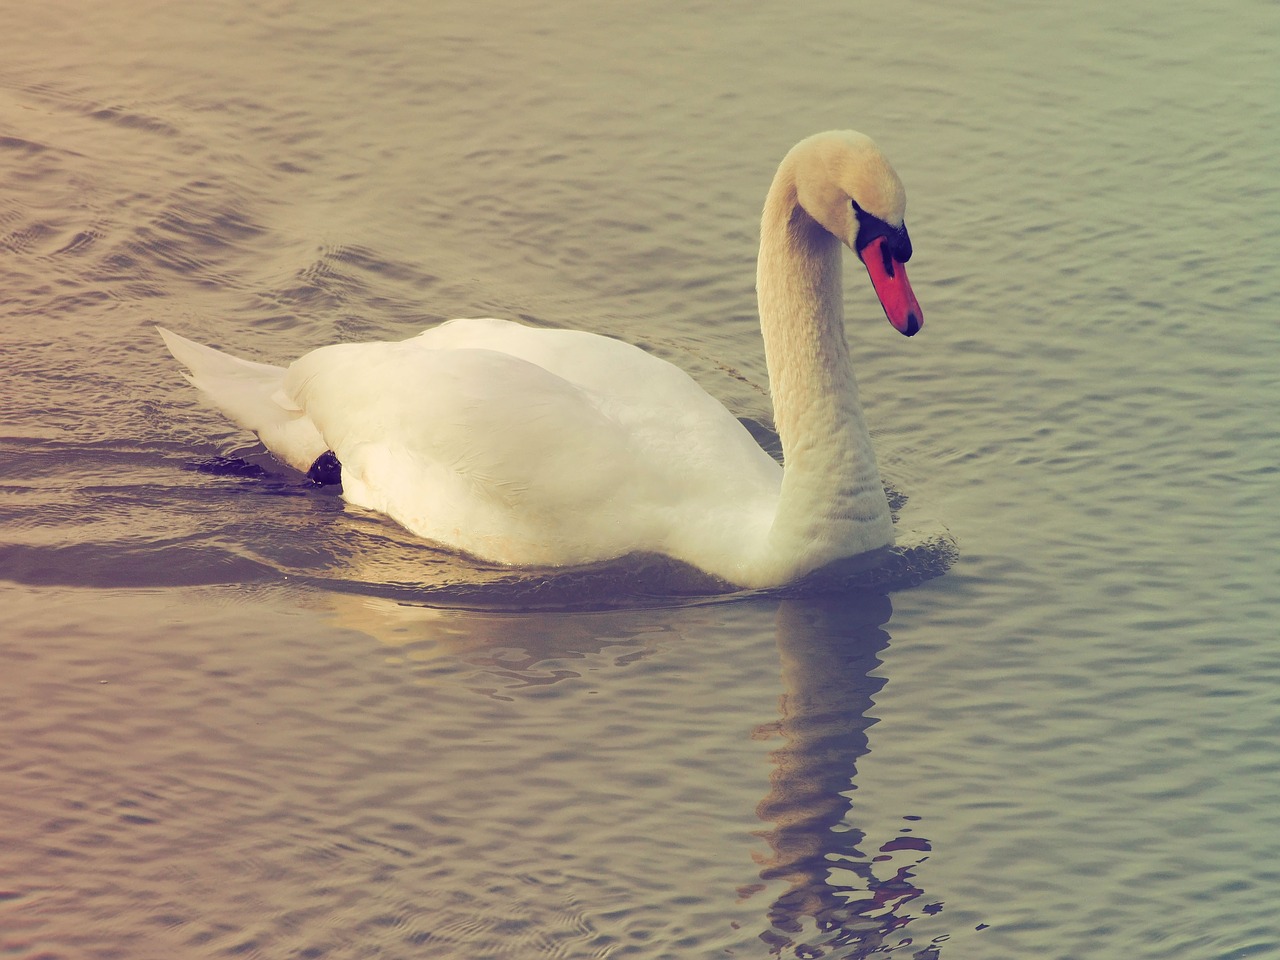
x=843 y=182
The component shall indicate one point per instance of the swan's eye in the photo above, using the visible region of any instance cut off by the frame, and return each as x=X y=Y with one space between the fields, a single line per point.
x=898 y=244
x=901 y=244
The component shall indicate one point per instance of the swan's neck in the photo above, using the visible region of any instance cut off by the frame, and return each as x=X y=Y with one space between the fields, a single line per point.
x=832 y=503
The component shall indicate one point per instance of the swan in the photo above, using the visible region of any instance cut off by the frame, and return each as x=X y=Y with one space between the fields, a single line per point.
x=530 y=446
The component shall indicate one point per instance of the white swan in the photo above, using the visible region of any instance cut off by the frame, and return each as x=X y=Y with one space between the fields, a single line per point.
x=530 y=446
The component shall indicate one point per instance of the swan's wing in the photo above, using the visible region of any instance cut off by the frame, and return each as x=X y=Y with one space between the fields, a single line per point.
x=497 y=455
x=668 y=415
x=474 y=448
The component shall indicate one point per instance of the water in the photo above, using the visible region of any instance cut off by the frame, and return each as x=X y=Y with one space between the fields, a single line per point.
x=233 y=728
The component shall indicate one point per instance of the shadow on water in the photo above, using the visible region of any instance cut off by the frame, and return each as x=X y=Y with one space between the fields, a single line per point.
x=840 y=901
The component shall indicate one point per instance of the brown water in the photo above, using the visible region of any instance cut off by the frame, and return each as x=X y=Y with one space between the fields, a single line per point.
x=242 y=720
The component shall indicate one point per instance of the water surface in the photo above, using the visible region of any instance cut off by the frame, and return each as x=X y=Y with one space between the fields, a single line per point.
x=235 y=726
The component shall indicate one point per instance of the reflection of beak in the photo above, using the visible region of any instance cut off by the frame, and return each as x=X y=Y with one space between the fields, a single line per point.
x=889 y=277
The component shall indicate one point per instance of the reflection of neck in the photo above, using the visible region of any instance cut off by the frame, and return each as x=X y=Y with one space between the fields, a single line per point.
x=828 y=650
x=832 y=503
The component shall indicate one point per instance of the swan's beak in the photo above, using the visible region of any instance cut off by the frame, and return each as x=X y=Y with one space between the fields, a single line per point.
x=889 y=277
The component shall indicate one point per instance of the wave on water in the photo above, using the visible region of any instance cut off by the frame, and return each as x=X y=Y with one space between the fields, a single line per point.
x=112 y=515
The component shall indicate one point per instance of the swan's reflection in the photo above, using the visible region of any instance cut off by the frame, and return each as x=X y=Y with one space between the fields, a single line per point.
x=828 y=650
x=840 y=900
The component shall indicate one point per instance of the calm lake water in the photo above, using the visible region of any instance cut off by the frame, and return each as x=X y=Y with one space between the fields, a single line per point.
x=243 y=720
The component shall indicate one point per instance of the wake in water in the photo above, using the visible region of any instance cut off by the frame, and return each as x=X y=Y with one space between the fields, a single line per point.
x=121 y=516
x=375 y=557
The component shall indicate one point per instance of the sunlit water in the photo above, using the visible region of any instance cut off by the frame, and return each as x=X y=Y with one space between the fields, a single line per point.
x=238 y=723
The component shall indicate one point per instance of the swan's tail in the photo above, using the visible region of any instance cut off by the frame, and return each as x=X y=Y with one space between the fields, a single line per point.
x=252 y=395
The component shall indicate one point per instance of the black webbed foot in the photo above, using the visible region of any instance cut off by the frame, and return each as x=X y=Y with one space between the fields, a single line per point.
x=326 y=471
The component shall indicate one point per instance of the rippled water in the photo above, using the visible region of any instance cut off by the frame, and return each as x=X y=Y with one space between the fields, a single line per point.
x=238 y=725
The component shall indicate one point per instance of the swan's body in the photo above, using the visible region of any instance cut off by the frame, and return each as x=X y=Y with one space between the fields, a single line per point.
x=531 y=446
